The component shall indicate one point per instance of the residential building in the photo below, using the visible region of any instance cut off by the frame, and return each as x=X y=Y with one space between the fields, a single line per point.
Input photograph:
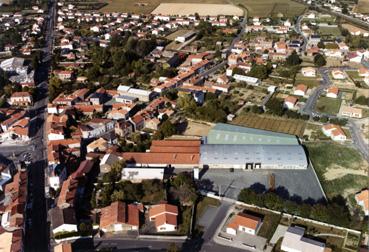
x=332 y=92
x=351 y=111
x=308 y=71
x=338 y=74
x=164 y=216
x=21 y=99
x=362 y=199
x=243 y=222
x=300 y=90
x=63 y=220
x=289 y=102
x=249 y=80
x=119 y=216
x=136 y=175
x=294 y=241
x=335 y=132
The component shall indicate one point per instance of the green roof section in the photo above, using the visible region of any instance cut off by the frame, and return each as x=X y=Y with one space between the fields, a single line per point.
x=232 y=134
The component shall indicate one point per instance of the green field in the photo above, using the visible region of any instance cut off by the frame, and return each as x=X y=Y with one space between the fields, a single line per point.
x=147 y=6
x=267 y=8
x=308 y=81
x=330 y=31
x=328 y=105
x=341 y=169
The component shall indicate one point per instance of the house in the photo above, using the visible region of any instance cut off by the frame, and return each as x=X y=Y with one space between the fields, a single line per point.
x=119 y=216
x=249 y=80
x=362 y=199
x=363 y=72
x=96 y=127
x=107 y=161
x=21 y=99
x=332 y=92
x=185 y=37
x=123 y=128
x=64 y=75
x=142 y=95
x=300 y=90
x=289 y=102
x=308 y=71
x=351 y=112
x=63 y=220
x=63 y=247
x=99 y=145
x=335 y=132
x=136 y=175
x=294 y=241
x=164 y=216
x=338 y=74
x=245 y=223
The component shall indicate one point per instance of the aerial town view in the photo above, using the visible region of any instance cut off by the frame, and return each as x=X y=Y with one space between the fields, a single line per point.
x=184 y=125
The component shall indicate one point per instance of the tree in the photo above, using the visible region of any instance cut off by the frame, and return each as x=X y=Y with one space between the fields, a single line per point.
x=259 y=71
x=293 y=59
x=319 y=60
x=167 y=128
x=183 y=189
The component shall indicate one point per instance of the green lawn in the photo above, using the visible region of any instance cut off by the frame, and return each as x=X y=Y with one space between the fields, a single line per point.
x=270 y=223
x=308 y=81
x=332 y=31
x=328 y=105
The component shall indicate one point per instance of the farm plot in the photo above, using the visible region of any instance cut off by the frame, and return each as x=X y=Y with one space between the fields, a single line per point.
x=265 y=8
x=201 y=9
x=146 y=6
x=289 y=126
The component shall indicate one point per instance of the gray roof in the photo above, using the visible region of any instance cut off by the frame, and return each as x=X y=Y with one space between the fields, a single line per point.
x=232 y=134
x=235 y=154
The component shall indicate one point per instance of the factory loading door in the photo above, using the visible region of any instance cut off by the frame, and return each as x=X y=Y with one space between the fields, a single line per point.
x=249 y=166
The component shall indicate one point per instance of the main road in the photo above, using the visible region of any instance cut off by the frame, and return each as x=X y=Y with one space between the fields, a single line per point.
x=37 y=228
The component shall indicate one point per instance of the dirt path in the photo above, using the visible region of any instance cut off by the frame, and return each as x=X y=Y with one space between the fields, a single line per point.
x=337 y=171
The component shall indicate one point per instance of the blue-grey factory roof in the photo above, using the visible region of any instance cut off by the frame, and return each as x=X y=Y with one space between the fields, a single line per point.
x=233 y=134
x=235 y=154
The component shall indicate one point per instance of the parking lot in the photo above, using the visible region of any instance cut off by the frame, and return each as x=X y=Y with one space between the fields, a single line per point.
x=299 y=184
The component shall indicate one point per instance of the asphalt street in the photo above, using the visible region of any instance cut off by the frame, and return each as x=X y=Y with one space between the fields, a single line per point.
x=37 y=228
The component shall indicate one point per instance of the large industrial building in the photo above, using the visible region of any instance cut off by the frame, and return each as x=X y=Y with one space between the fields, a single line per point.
x=232 y=134
x=252 y=156
x=226 y=146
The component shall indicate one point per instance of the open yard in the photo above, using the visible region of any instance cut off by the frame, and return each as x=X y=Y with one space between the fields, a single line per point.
x=341 y=169
x=146 y=6
x=265 y=8
x=328 y=105
x=289 y=126
x=197 y=129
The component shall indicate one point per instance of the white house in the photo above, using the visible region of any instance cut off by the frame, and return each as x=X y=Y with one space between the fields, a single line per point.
x=244 y=223
x=351 y=112
x=300 y=90
x=289 y=102
x=63 y=220
x=335 y=132
x=338 y=74
x=332 y=92
x=362 y=199
x=249 y=80
x=293 y=241
x=138 y=174
x=164 y=216
x=308 y=71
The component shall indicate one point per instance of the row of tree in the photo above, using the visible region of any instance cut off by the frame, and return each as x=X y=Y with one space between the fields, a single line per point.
x=334 y=212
